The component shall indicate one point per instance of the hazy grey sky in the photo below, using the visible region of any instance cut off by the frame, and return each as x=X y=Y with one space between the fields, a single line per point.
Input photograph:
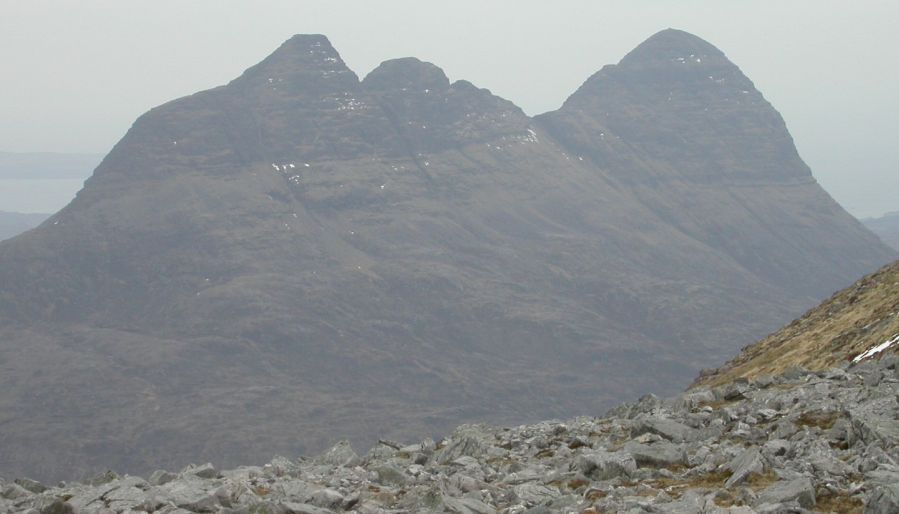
x=77 y=73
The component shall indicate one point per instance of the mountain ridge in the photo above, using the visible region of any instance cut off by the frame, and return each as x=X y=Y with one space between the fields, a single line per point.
x=299 y=248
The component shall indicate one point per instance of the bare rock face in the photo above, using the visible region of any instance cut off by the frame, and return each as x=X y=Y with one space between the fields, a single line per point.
x=300 y=256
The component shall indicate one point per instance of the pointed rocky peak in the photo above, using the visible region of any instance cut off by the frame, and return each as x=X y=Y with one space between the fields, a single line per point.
x=406 y=74
x=301 y=61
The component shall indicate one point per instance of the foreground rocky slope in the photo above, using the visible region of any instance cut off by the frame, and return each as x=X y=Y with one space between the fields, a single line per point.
x=798 y=442
x=862 y=318
x=301 y=255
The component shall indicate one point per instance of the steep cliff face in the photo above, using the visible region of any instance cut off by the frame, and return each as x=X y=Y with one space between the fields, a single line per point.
x=300 y=255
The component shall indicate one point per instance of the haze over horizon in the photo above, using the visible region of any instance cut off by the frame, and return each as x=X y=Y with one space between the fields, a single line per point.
x=72 y=90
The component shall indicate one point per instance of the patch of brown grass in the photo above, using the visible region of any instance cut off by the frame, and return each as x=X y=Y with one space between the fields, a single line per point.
x=595 y=495
x=577 y=443
x=821 y=419
x=716 y=404
x=842 y=503
x=577 y=483
x=758 y=481
x=676 y=487
x=543 y=454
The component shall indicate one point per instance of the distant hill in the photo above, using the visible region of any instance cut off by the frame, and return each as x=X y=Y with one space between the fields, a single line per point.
x=862 y=317
x=42 y=182
x=47 y=165
x=300 y=255
x=886 y=227
x=14 y=223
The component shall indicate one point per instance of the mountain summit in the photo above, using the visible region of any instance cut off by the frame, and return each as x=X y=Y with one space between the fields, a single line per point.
x=299 y=256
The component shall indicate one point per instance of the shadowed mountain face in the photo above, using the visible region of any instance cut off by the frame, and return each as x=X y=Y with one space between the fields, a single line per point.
x=301 y=256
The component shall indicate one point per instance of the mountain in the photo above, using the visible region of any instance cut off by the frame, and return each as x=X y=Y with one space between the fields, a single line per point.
x=858 y=322
x=886 y=227
x=300 y=255
x=14 y=223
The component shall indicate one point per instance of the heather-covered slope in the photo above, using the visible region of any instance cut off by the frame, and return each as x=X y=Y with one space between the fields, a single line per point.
x=299 y=256
x=858 y=322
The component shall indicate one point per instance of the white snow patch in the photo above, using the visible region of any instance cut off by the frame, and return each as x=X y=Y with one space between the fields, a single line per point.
x=877 y=349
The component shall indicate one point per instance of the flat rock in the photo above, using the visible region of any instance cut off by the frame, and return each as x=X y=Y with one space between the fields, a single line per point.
x=669 y=429
x=801 y=490
x=606 y=465
x=660 y=454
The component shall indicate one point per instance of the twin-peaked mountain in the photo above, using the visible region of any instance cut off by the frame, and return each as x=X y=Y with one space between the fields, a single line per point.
x=301 y=256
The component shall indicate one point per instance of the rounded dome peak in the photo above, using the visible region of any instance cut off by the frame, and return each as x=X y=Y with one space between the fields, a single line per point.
x=672 y=45
x=407 y=72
